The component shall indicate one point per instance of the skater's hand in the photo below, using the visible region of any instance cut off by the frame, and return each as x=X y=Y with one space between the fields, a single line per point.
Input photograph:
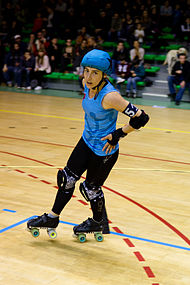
x=108 y=147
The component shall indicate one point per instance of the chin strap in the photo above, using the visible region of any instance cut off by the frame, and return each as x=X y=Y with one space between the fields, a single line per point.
x=97 y=86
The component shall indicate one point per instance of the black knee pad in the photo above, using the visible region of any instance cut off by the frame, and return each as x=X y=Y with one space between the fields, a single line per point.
x=66 y=179
x=91 y=192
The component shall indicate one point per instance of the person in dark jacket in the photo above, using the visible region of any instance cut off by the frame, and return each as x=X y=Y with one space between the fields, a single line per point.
x=13 y=66
x=28 y=65
x=180 y=76
x=137 y=74
x=120 y=52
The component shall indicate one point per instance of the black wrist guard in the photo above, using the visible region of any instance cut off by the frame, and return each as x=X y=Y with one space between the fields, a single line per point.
x=138 y=122
x=116 y=135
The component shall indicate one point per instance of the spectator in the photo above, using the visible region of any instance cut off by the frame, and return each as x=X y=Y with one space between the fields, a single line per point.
x=38 y=23
x=137 y=74
x=78 y=55
x=42 y=67
x=137 y=52
x=122 y=72
x=41 y=42
x=166 y=14
x=139 y=33
x=172 y=56
x=12 y=66
x=22 y=45
x=180 y=76
x=115 y=30
x=127 y=31
x=177 y=17
x=67 y=55
x=53 y=52
x=82 y=35
x=185 y=29
x=120 y=52
x=146 y=22
x=91 y=43
x=50 y=21
x=28 y=65
x=31 y=47
x=102 y=25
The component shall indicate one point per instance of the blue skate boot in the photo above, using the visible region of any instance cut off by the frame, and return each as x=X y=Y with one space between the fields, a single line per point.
x=43 y=222
x=89 y=226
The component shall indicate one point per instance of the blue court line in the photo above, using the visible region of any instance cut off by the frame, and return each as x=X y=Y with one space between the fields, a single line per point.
x=138 y=238
x=7 y=210
x=113 y=233
x=15 y=225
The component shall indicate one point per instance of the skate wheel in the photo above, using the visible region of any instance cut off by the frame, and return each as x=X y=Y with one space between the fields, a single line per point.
x=98 y=237
x=52 y=233
x=35 y=232
x=82 y=237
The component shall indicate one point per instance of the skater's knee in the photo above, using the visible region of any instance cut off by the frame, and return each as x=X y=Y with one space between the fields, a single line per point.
x=90 y=191
x=66 y=179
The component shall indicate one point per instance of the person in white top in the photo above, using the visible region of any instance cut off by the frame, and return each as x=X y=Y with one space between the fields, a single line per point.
x=137 y=52
x=42 y=67
x=139 y=33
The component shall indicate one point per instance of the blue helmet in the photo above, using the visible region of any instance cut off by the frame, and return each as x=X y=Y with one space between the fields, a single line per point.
x=98 y=59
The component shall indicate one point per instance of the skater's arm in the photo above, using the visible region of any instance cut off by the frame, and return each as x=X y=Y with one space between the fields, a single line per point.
x=138 y=118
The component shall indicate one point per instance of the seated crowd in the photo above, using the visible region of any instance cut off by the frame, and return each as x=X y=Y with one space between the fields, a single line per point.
x=25 y=64
x=62 y=32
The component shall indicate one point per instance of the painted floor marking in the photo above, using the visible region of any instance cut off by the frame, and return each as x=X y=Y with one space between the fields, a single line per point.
x=80 y=120
x=8 y=210
x=114 y=168
x=113 y=233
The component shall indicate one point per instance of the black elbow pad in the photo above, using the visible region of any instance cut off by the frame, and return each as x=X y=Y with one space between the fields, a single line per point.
x=138 y=122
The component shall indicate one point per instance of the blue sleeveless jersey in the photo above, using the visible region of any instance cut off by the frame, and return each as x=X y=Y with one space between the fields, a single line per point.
x=98 y=121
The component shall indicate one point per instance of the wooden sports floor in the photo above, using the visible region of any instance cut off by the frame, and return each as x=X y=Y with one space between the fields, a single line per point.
x=147 y=197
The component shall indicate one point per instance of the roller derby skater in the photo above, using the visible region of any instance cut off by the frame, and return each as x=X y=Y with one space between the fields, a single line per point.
x=98 y=148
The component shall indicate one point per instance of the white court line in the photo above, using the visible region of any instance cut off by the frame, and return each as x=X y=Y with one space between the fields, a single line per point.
x=154 y=94
x=161 y=81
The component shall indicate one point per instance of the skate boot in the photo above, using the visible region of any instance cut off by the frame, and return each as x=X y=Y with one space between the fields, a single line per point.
x=43 y=222
x=89 y=226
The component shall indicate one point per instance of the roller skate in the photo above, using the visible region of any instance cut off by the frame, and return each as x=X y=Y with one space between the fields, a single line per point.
x=43 y=222
x=89 y=226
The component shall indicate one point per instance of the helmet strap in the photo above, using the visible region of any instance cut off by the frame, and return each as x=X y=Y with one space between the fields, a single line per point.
x=98 y=86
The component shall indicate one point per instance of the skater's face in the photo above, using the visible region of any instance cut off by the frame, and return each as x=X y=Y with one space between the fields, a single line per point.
x=92 y=77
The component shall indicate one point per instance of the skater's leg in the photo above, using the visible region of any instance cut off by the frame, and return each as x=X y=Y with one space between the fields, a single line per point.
x=66 y=180
x=95 y=196
x=97 y=173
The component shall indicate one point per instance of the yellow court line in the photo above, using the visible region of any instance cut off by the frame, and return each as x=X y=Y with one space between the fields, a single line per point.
x=115 y=168
x=82 y=120
x=42 y=115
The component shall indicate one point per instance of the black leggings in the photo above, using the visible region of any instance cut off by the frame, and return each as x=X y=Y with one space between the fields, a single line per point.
x=98 y=168
x=84 y=159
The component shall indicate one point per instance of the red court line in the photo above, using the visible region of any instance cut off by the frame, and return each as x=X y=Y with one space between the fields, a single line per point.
x=83 y=202
x=21 y=156
x=46 y=182
x=153 y=214
x=139 y=256
x=117 y=230
x=180 y=234
x=19 y=171
x=128 y=242
x=33 y=176
x=124 y=154
x=154 y=158
x=149 y=272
